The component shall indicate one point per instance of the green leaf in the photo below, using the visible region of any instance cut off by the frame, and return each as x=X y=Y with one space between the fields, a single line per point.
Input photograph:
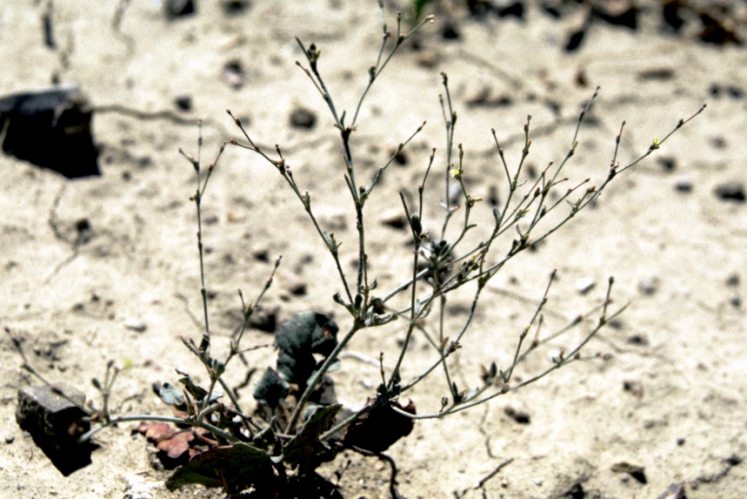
x=171 y=395
x=306 y=444
x=197 y=392
x=298 y=339
x=271 y=388
x=235 y=467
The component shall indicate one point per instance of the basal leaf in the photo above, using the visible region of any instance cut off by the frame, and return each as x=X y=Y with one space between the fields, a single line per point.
x=306 y=444
x=236 y=467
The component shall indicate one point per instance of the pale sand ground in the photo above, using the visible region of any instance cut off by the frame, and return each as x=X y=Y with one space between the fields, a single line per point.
x=685 y=421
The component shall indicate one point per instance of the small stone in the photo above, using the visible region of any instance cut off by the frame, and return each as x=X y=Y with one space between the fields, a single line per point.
x=9 y=439
x=735 y=301
x=638 y=339
x=648 y=286
x=684 y=184
x=667 y=163
x=519 y=416
x=733 y=280
x=450 y=31
x=537 y=482
x=731 y=191
x=178 y=8
x=235 y=7
x=303 y=118
x=394 y=218
x=635 y=471
x=265 y=318
x=233 y=74
x=292 y=283
x=136 y=325
x=585 y=284
x=184 y=102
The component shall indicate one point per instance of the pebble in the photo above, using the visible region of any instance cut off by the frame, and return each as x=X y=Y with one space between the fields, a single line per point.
x=179 y=8
x=136 y=325
x=394 y=218
x=9 y=439
x=585 y=284
x=648 y=286
x=684 y=184
x=233 y=74
x=735 y=301
x=303 y=118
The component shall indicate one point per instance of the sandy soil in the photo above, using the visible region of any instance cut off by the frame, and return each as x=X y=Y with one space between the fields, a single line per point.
x=670 y=394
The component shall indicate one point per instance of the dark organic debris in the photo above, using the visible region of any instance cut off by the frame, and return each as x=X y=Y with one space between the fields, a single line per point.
x=55 y=423
x=379 y=428
x=52 y=129
x=175 y=447
x=617 y=13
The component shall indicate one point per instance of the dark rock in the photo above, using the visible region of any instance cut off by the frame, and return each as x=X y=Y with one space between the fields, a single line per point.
x=671 y=14
x=450 y=32
x=56 y=423
x=575 y=40
x=233 y=74
x=684 y=184
x=184 y=102
x=635 y=471
x=511 y=9
x=303 y=118
x=178 y=8
x=619 y=13
x=520 y=417
x=235 y=7
x=265 y=319
x=52 y=129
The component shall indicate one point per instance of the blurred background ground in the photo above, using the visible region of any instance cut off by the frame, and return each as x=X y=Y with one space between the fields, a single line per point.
x=105 y=267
